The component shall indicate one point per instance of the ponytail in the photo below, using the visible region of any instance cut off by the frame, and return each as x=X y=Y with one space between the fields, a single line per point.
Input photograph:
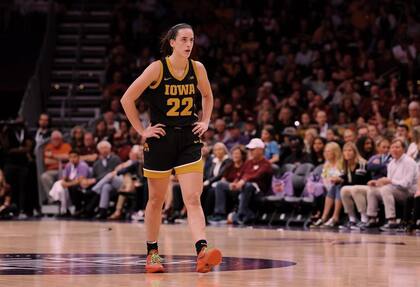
x=165 y=46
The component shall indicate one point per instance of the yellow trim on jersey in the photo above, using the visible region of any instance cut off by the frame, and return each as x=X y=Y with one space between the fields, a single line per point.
x=197 y=166
x=171 y=70
x=156 y=84
x=156 y=174
x=195 y=69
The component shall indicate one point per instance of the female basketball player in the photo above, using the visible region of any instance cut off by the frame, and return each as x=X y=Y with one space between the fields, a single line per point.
x=172 y=140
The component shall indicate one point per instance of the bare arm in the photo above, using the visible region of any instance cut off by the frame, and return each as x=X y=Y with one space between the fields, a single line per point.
x=207 y=99
x=150 y=75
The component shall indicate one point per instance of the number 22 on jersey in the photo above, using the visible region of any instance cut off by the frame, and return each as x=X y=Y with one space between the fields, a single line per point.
x=179 y=107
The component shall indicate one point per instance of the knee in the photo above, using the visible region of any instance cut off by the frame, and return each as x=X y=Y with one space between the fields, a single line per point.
x=106 y=188
x=385 y=192
x=156 y=201
x=345 y=192
x=192 y=200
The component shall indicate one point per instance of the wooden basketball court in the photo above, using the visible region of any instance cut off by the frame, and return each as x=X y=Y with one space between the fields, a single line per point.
x=73 y=253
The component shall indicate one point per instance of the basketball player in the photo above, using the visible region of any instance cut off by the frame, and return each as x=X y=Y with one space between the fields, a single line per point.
x=172 y=140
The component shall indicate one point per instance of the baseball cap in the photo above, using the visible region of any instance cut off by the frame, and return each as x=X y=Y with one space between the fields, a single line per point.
x=255 y=143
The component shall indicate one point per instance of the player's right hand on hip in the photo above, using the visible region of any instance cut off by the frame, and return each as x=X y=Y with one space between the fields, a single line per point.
x=155 y=131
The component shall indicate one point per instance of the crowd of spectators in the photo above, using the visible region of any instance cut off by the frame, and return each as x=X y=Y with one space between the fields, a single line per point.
x=330 y=83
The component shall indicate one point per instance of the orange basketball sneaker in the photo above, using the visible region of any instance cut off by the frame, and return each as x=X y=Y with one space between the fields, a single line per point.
x=207 y=259
x=154 y=263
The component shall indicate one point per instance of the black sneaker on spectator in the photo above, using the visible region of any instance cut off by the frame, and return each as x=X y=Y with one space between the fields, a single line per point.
x=359 y=226
x=389 y=227
x=347 y=226
x=217 y=218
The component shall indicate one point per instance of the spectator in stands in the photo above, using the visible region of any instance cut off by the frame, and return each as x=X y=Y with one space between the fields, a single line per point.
x=103 y=179
x=401 y=181
x=272 y=151
x=69 y=185
x=222 y=134
x=220 y=162
x=250 y=128
x=55 y=153
x=112 y=125
x=131 y=173
x=77 y=135
x=255 y=179
x=413 y=148
x=349 y=136
x=373 y=133
x=331 y=177
x=354 y=186
x=317 y=151
x=413 y=115
x=366 y=147
x=321 y=119
x=88 y=152
x=308 y=139
x=402 y=133
x=236 y=137
x=226 y=188
x=101 y=131
x=43 y=132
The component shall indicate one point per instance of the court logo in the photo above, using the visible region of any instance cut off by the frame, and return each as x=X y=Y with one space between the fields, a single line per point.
x=87 y=264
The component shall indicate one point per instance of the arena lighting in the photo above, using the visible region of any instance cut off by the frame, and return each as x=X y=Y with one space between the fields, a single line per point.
x=297 y=123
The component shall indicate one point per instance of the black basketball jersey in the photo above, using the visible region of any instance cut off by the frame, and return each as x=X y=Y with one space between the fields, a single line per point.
x=172 y=100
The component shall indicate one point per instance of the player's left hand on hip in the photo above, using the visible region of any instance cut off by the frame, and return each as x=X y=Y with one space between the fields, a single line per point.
x=200 y=128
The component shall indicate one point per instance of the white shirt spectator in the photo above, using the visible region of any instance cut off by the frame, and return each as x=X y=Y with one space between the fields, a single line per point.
x=403 y=172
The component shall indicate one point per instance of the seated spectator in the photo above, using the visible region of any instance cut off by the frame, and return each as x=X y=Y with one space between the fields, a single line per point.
x=103 y=179
x=321 y=119
x=226 y=186
x=77 y=134
x=250 y=128
x=101 y=131
x=377 y=164
x=55 y=152
x=88 y=152
x=222 y=134
x=220 y=162
x=349 y=136
x=366 y=147
x=5 y=196
x=131 y=172
x=413 y=148
x=413 y=114
x=74 y=172
x=254 y=179
x=397 y=186
x=272 y=151
x=402 y=133
x=331 y=178
x=295 y=155
x=333 y=135
x=236 y=137
x=43 y=132
x=308 y=139
x=354 y=186
x=317 y=151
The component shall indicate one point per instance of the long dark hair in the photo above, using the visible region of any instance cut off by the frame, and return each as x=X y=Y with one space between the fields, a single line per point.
x=165 y=46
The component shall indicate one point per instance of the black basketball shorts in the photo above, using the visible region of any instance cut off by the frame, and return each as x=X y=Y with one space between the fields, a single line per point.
x=179 y=150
